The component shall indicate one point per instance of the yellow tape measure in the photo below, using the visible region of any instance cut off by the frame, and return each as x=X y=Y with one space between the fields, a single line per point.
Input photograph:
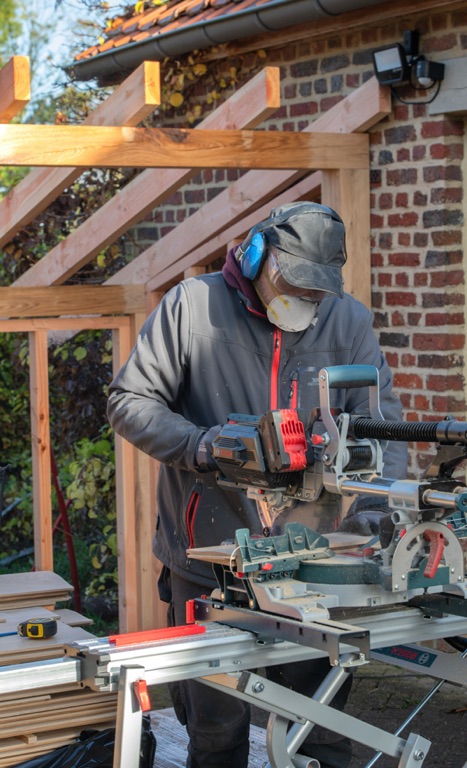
x=38 y=629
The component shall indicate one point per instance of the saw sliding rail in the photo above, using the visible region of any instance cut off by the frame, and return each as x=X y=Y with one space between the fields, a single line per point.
x=222 y=656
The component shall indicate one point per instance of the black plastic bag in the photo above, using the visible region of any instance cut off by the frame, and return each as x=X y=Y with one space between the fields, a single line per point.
x=94 y=749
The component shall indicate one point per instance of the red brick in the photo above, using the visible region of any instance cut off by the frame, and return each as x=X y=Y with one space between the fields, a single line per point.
x=441 y=383
x=446 y=151
x=419 y=152
x=408 y=381
x=446 y=237
x=421 y=402
x=397 y=318
x=444 y=318
x=403 y=238
x=402 y=279
x=448 y=405
x=403 y=155
x=402 y=199
x=406 y=259
x=401 y=299
x=403 y=219
x=441 y=341
x=408 y=360
x=385 y=200
x=376 y=221
x=420 y=279
x=434 y=128
x=446 y=195
x=440 y=43
x=441 y=279
x=303 y=108
x=392 y=359
x=384 y=279
x=406 y=400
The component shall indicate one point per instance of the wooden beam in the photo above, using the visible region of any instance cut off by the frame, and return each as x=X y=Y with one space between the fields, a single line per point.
x=249 y=106
x=63 y=324
x=103 y=147
x=216 y=220
x=71 y=299
x=134 y=99
x=40 y=444
x=15 y=87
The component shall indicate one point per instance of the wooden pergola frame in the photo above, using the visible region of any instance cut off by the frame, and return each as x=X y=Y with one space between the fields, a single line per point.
x=329 y=159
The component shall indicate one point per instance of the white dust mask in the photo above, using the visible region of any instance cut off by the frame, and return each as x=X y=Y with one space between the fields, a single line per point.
x=291 y=313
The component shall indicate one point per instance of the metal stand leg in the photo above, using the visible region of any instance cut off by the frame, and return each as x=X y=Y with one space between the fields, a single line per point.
x=296 y=734
x=293 y=706
x=129 y=720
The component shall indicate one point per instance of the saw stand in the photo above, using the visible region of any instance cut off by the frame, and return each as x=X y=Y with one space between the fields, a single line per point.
x=221 y=656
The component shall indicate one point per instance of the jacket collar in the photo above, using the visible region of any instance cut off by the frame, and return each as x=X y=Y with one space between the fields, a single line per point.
x=234 y=277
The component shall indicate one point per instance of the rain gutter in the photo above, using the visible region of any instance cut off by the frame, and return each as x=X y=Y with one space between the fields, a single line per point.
x=249 y=22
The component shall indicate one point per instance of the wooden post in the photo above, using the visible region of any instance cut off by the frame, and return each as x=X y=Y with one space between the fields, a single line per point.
x=40 y=439
x=348 y=192
x=128 y=592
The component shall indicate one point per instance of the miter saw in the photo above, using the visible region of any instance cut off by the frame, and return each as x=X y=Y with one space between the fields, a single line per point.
x=280 y=459
x=347 y=602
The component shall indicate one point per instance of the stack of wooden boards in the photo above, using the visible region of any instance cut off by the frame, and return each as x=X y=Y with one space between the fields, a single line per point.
x=37 y=721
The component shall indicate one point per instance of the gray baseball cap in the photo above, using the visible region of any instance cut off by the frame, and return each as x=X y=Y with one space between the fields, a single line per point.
x=310 y=243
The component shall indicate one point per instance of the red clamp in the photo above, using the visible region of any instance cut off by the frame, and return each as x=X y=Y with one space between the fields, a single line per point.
x=141 y=692
x=436 y=540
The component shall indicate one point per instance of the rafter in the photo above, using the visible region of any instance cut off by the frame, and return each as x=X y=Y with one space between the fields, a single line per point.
x=15 y=87
x=361 y=109
x=249 y=106
x=128 y=105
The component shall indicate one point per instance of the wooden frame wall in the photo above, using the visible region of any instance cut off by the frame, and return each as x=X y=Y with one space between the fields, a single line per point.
x=330 y=157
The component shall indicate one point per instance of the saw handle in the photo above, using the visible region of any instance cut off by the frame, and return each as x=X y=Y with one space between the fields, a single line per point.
x=436 y=540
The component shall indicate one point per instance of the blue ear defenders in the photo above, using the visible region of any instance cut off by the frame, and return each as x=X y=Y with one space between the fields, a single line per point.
x=252 y=253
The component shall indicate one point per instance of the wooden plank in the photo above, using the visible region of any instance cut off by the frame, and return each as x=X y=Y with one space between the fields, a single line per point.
x=103 y=147
x=254 y=102
x=15 y=87
x=362 y=108
x=40 y=442
x=135 y=98
x=63 y=324
x=71 y=299
x=13 y=585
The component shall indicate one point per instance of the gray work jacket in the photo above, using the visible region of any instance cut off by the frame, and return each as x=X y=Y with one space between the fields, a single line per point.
x=205 y=353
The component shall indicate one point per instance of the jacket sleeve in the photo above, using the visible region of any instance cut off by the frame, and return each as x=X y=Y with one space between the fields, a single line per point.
x=368 y=352
x=143 y=395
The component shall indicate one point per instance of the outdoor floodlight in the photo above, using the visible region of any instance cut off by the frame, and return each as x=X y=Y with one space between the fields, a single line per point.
x=396 y=64
x=391 y=65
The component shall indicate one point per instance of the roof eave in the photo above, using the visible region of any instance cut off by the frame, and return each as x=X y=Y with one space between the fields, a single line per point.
x=206 y=34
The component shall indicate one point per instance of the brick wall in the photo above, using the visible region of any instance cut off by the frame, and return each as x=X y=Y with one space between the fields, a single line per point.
x=417 y=228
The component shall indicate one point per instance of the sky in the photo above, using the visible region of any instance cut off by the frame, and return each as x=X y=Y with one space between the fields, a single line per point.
x=57 y=39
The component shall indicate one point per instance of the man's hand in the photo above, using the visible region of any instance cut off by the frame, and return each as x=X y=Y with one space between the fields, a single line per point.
x=369 y=516
x=203 y=455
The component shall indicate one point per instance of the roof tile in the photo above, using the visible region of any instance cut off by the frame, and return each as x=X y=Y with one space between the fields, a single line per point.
x=165 y=18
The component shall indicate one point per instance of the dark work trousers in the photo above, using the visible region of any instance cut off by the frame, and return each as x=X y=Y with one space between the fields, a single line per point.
x=218 y=723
